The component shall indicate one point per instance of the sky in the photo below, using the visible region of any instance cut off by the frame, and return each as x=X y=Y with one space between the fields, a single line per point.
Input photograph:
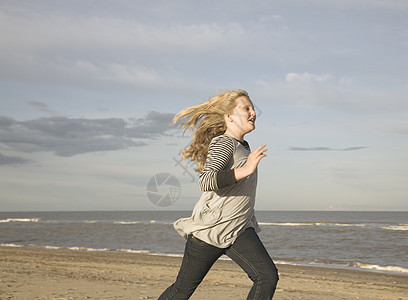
x=89 y=89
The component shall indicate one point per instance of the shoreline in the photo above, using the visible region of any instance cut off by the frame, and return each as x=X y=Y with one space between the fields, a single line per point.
x=352 y=266
x=28 y=273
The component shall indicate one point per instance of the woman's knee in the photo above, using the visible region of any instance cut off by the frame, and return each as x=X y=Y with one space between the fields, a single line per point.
x=275 y=276
x=270 y=277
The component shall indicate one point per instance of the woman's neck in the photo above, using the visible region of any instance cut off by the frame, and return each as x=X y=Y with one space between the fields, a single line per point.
x=235 y=136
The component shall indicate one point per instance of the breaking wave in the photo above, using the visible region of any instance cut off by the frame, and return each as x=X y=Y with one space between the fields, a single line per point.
x=20 y=220
x=312 y=224
x=397 y=227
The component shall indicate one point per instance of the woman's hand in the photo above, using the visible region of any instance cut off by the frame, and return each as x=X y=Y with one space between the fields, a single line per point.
x=251 y=164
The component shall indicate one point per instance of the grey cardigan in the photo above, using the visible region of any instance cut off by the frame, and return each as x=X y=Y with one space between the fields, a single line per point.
x=226 y=207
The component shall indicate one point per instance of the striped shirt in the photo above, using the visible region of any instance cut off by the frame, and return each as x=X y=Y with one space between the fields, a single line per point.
x=226 y=206
x=214 y=176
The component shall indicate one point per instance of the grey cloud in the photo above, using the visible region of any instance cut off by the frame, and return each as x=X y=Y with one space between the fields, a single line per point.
x=6 y=122
x=12 y=160
x=42 y=107
x=400 y=5
x=68 y=137
x=325 y=148
x=151 y=126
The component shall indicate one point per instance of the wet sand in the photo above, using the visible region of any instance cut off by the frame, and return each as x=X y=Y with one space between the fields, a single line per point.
x=27 y=273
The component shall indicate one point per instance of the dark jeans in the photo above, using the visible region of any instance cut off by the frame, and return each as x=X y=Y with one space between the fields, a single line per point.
x=247 y=251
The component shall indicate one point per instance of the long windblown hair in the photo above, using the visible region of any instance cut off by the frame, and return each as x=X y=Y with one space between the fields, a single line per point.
x=206 y=121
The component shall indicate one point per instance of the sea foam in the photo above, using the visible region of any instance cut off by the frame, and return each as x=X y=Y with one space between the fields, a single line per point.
x=20 y=220
x=398 y=227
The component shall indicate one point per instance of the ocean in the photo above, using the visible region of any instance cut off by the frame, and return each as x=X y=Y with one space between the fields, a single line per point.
x=369 y=241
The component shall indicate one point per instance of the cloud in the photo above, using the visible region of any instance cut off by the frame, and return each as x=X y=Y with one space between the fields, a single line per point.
x=12 y=160
x=96 y=51
x=307 y=77
x=330 y=91
x=154 y=124
x=325 y=148
x=96 y=32
x=68 y=137
x=42 y=107
x=397 y=126
x=398 y=5
x=140 y=47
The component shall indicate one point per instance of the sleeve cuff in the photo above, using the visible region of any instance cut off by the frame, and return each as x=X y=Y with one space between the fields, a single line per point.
x=225 y=178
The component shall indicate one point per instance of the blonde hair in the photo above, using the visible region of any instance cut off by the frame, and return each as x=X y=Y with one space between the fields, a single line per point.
x=207 y=119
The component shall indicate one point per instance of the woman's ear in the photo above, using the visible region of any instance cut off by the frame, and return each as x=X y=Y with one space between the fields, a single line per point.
x=227 y=118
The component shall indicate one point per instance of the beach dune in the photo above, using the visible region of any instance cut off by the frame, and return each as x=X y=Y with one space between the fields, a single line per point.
x=31 y=273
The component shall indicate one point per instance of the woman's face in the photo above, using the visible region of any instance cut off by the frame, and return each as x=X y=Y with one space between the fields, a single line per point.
x=242 y=119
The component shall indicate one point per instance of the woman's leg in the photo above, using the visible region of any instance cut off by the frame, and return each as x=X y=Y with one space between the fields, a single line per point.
x=250 y=254
x=197 y=261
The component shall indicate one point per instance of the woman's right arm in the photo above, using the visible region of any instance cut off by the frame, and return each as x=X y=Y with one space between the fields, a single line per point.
x=251 y=164
x=214 y=175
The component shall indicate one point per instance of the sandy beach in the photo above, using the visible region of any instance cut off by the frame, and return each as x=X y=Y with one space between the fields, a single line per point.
x=28 y=273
